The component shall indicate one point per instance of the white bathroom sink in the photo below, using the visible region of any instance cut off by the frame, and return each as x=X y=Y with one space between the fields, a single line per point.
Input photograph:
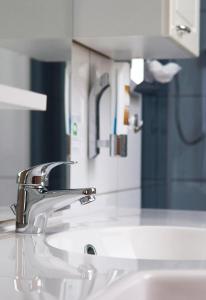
x=135 y=242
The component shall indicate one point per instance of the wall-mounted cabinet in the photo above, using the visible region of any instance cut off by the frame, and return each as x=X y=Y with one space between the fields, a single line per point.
x=134 y=28
x=41 y=29
x=184 y=23
x=120 y=29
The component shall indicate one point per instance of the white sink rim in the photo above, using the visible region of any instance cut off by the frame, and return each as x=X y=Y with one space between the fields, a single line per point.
x=153 y=242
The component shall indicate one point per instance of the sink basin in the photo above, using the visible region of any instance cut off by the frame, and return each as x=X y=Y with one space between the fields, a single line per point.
x=134 y=242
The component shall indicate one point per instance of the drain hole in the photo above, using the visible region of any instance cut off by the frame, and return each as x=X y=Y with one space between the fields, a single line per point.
x=89 y=249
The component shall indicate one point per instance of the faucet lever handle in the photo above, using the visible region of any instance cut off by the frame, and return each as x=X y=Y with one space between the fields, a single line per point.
x=39 y=175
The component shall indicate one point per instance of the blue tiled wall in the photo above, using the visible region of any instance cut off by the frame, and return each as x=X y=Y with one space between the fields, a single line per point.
x=154 y=147
x=178 y=180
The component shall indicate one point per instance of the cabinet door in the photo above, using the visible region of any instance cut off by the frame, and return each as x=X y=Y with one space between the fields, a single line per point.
x=184 y=23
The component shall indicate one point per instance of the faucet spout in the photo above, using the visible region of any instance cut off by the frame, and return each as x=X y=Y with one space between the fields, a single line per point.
x=36 y=203
x=62 y=199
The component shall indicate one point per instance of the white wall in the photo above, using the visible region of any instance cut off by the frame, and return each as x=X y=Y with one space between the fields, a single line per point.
x=117 y=179
x=14 y=127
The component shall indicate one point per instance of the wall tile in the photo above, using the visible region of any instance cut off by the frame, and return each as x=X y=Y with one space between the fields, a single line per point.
x=154 y=194
x=190 y=77
x=186 y=161
x=103 y=169
x=128 y=200
x=79 y=95
x=188 y=195
x=108 y=174
x=14 y=145
x=203 y=5
x=103 y=207
x=8 y=189
x=6 y=213
x=118 y=204
x=203 y=29
x=100 y=172
x=154 y=137
x=183 y=186
x=129 y=168
x=15 y=69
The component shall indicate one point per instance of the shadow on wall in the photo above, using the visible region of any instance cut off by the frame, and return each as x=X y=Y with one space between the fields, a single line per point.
x=48 y=135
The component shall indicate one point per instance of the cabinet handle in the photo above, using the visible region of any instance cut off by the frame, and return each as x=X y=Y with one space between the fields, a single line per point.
x=183 y=29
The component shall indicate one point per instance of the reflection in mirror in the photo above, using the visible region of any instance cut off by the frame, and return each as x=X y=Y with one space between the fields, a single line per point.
x=29 y=138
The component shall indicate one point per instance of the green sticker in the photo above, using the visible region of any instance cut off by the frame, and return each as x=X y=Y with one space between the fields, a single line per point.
x=74 y=129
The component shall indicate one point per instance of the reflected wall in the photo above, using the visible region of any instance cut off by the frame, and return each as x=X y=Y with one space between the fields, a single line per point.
x=174 y=137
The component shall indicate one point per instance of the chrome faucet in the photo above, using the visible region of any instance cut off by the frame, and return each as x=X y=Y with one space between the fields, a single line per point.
x=35 y=202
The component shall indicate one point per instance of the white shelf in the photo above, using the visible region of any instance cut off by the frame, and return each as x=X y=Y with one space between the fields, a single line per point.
x=19 y=99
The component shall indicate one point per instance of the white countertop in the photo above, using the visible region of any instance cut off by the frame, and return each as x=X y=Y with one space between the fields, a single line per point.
x=31 y=269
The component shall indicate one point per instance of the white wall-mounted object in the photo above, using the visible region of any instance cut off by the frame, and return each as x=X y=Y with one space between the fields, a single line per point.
x=98 y=89
x=119 y=29
x=117 y=179
x=20 y=99
x=121 y=83
x=137 y=70
x=134 y=28
x=39 y=29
